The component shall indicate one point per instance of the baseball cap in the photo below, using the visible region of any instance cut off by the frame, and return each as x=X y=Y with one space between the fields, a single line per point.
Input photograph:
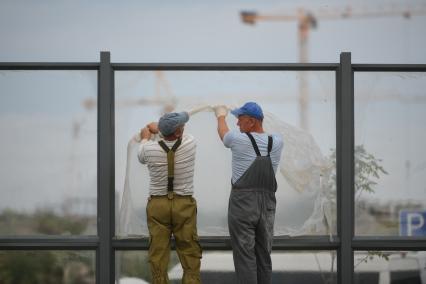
x=169 y=122
x=250 y=109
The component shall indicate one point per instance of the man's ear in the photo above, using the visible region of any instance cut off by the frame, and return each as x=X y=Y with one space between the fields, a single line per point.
x=179 y=132
x=252 y=122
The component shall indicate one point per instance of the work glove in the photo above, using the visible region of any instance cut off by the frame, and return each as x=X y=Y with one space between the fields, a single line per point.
x=220 y=110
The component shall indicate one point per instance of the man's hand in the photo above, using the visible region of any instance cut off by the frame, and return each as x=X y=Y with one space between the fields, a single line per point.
x=153 y=127
x=145 y=133
x=220 y=110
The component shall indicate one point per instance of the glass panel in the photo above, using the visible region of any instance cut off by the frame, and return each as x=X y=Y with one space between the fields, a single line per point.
x=390 y=135
x=48 y=168
x=306 y=177
x=47 y=267
x=391 y=267
x=217 y=267
x=133 y=266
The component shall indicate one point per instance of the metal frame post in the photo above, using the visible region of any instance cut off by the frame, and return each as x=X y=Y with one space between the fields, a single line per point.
x=345 y=168
x=106 y=179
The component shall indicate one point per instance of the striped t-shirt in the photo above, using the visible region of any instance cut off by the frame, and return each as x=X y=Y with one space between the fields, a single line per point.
x=151 y=154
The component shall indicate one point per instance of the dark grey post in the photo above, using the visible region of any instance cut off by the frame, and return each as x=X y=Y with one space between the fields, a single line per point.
x=345 y=168
x=106 y=180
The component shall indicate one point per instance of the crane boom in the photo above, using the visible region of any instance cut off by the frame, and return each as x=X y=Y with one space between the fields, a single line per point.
x=307 y=20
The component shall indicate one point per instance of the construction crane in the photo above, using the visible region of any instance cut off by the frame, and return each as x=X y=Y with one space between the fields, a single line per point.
x=163 y=96
x=308 y=20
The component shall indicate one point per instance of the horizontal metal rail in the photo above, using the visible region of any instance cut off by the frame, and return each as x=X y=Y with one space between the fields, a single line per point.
x=389 y=243
x=224 y=243
x=217 y=243
x=389 y=67
x=24 y=66
x=49 y=243
x=225 y=66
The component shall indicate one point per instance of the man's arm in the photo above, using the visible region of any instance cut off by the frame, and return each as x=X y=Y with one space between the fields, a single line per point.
x=145 y=133
x=148 y=130
x=222 y=127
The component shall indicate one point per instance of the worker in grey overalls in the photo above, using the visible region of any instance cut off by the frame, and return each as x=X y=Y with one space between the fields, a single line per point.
x=251 y=211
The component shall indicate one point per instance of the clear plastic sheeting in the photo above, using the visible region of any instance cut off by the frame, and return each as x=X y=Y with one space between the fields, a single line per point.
x=129 y=221
x=303 y=168
x=307 y=171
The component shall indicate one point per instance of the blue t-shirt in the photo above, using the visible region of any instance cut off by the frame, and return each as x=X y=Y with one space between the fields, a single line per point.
x=243 y=153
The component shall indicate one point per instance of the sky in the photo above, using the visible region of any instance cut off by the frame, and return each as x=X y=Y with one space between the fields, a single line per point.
x=194 y=31
x=202 y=31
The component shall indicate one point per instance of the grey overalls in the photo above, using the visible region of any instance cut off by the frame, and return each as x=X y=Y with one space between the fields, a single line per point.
x=251 y=216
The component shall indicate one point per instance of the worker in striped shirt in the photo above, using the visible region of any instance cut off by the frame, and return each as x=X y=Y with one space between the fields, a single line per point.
x=171 y=209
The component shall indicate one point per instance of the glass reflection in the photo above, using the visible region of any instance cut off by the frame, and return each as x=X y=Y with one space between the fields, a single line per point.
x=48 y=153
x=217 y=267
x=47 y=267
x=390 y=135
x=142 y=97
x=390 y=267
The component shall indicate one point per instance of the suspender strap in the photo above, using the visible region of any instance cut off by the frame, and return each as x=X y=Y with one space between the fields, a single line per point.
x=253 y=142
x=256 y=149
x=170 y=161
x=269 y=145
x=164 y=146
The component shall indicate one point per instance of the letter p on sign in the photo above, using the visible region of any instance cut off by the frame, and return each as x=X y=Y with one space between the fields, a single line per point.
x=412 y=223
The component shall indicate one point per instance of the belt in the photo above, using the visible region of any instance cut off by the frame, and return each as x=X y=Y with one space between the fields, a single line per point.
x=169 y=195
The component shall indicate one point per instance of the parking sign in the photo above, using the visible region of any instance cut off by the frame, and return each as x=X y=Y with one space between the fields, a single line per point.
x=412 y=223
